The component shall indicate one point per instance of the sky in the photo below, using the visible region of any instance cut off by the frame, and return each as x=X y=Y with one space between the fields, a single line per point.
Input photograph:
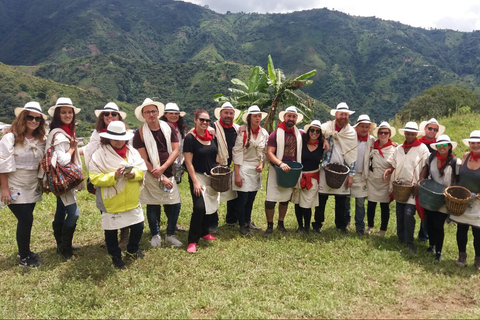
x=461 y=15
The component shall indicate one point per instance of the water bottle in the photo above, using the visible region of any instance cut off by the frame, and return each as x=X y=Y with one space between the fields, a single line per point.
x=14 y=194
x=163 y=186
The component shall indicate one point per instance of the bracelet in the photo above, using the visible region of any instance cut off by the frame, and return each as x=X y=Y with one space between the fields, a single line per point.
x=280 y=164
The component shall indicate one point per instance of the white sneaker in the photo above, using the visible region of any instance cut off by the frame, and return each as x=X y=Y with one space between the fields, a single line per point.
x=173 y=240
x=156 y=241
x=369 y=230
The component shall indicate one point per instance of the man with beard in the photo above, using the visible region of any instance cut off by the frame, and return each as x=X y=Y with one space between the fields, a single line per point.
x=343 y=149
x=284 y=144
x=407 y=161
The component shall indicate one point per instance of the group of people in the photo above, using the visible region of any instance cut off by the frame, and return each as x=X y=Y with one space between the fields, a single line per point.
x=126 y=170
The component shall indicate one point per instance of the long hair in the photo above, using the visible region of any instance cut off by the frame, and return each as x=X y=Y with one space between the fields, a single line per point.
x=306 y=137
x=447 y=162
x=57 y=123
x=100 y=123
x=181 y=126
x=19 y=128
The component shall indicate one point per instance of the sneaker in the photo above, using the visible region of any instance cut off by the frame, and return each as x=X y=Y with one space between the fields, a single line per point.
x=380 y=233
x=180 y=228
x=245 y=231
x=213 y=230
x=282 y=229
x=118 y=263
x=172 y=239
x=430 y=249
x=268 y=232
x=316 y=230
x=32 y=254
x=369 y=230
x=29 y=261
x=252 y=226
x=192 y=247
x=230 y=224
x=134 y=256
x=209 y=237
x=438 y=257
x=156 y=241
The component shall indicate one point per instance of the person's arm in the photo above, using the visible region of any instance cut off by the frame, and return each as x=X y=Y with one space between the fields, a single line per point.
x=197 y=187
x=143 y=154
x=5 y=188
x=349 y=180
x=274 y=160
x=64 y=150
x=170 y=160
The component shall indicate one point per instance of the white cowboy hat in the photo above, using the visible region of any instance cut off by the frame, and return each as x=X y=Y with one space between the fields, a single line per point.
x=63 y=102
x=148 y=102
x=291 y=109
x=314 y=123
x=341 y=107
x=443 y=139
x=253 y=110
x=116 y=131
x=384 y=125
x=226 y=106
x=409 y=127
x=441 y=129
x=109 y=107
x=474 y=137
x=173 y=108
x=363 y=118
x=30 y=106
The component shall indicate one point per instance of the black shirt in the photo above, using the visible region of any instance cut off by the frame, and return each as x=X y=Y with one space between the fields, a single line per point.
x=204 y=157
x=311 y=159
x=230 y=136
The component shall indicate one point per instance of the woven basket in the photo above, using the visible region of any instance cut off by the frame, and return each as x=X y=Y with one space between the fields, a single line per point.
x=457 y=199
x=335 y=174
x=402 y=191
x=221 y=177
x=431 y=194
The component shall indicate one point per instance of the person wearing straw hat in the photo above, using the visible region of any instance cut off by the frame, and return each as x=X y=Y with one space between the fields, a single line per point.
x=226 y=134
x=284 y=144
x=442 y=167
x=359 y=189
x=431 y=130
x=62 y=136
x=117 y=170
x=249 y=159
x=407 y=162
x=305 y=196
x=157 y=143
x=342 y=139
x=378 y=189
x=470 y=179
x=21 y=150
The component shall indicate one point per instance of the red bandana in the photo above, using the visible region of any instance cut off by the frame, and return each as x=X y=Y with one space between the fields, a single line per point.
x=224 y=125
x=376 y=145
x=122 y=152
x=474 y=157
x=415 y=143
x=283 y=126
x=206 y=137
x=245 y=134
x=256 y=130
x=313 y=143
x=362 y=139
x=69 y=129
x=441 y=160
x=103 y=130
x=424 y=140
x=337 y=128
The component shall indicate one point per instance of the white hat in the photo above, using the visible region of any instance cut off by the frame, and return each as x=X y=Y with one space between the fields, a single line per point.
x=253 y=110
x=226 y=106
x=474 y=137
x=384 y=125
x=409 y=127
x=111 y=106
x=314 y=123
x=363 y=118
x=62 y=102
x=443 y=139
x=173 y=108
x=441 y=129
x=291 y=109
x=341 y=107
x=116 y=131
x=148 y=102
x=30 y=106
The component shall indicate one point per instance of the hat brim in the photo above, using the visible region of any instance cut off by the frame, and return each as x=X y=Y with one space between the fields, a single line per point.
x=216 y=112
x=441 y=129
x=181 y=113
x=19 y=110
x=51 y=110
x=138 y=110
x=281 y=116
x=122 y=113
x=434 y=145
x=127 y=136
x=402 y=132
x=333 y=111
x=308 y=126
x=245 y=115
x=466 y=141
x=372 y=125
x=392 y=131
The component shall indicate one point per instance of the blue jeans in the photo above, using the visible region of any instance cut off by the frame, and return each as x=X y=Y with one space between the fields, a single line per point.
x=71 y=212
x=406 y=223
x=172 y=211
x=360 y=213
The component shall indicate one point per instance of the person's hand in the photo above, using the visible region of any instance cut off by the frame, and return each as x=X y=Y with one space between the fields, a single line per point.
x=167 y=182
x=157 y=172
x=118 y=173
x=130 y=175
x=386 y=173
x=238 y=180
x=73 y=143
x=6 y=196
x=285 y=167
x=415 y=191
x=395 y=144
x=259 y=168
x=326 y=145
x=197 y=189
x=349 y=182
x=242 y=128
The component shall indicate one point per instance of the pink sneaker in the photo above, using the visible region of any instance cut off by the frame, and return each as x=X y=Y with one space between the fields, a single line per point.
x=209 y=237
x=192 y=248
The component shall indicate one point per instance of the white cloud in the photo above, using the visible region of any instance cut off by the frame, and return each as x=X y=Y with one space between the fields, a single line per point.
x=462 y=15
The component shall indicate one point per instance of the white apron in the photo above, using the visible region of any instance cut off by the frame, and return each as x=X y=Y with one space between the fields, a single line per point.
x=275 y=193
x=115 y=221
x=210 y=197
x=251 y=179
x=304 y=197
x=26 y=182
x=153 y=193
x=230 y=194
x=359 y=187
x=378 y=189
x=471 y=215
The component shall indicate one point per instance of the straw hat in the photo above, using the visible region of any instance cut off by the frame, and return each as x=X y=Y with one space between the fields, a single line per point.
x=62 y=102
x=111 y=106
x=441 y=129
x=385 y=125
x=116 y=131
x=443 y=139
x=253 y=110
x=291 y=109
x=173 y=108
x=363 y=118
x=226 y=106
x=30 y=106
x=409 y=127
x=314 y=123
x=341 y=107
x=148 y=102
x=474 y=137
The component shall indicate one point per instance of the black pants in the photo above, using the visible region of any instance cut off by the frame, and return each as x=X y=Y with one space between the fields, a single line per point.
x=340 y=205
x=462 y=238
x=199 y=221
x=435 y=226
x=385 y=214
x=304 y=215
x=244 y=203
x=231 y=216
x=24 y=214
x=111 y=239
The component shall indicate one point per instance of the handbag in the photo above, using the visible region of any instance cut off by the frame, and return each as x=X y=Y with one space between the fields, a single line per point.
x=59 y=179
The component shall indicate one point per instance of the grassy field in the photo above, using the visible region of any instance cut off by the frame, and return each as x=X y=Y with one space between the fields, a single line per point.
x=325 y=275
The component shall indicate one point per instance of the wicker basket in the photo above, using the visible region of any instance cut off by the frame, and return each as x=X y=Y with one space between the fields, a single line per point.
x=431 y=194
x=402 y=191
x=221 y=177
x=457 y=199
x=335 y=174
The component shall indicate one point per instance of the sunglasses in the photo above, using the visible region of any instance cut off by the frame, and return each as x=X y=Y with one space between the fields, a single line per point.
x=442 y=145
x=432 y=129
x=31 y=118
x=107 y=114
x=383 y=132
x=204 y=120
x=317 y=131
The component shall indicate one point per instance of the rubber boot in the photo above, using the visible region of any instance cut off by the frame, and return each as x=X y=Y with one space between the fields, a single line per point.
x=124 y=235
x=67 y=238
x=57 y=233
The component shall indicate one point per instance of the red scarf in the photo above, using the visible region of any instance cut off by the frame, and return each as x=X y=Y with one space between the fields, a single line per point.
x=253 y=132
x=474 y=157
x=284 y=127
x=337 y=128
x=424 y=140
x=376 y=145
x=313 y=143
x=122 y=152
x=441 y=160
x=415 y=143
x=206 y=137
x=362 y=139
x=69 y=129
x=103 y=130
x=224 y=125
